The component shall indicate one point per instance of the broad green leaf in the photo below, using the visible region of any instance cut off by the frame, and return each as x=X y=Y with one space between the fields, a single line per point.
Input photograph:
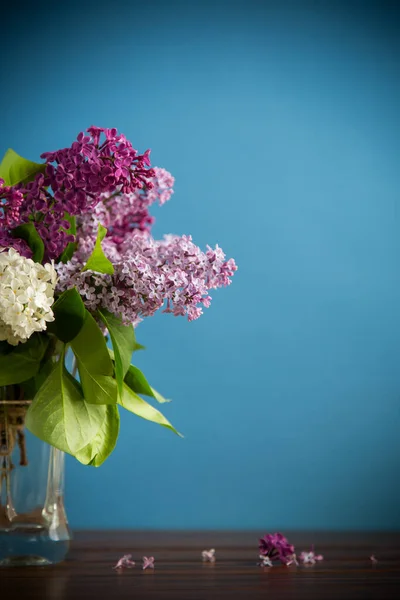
x=5 y=347
x=94 y=364
x=123 y=341
x=69 y=313
x=97 y=389
x=24 y=361
x=70 y=249
x=35 y=347
x=16 y=368
x=29 y=233
x=100 y=448
x=141 y=408
x=59 y=415
x=90 y=347
x=33 y=385
x=136 y=380
x=16 y=169
x=98 y=261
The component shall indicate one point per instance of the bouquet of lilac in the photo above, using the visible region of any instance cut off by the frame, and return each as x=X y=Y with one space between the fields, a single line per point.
x=79 y=266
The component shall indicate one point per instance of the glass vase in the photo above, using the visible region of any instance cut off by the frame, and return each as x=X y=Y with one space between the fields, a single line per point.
x=33 y=524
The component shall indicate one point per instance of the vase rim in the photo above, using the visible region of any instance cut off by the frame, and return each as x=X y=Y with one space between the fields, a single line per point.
x=15 y=401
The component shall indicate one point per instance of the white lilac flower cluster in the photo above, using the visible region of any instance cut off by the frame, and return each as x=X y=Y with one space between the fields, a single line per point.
x=26 y=296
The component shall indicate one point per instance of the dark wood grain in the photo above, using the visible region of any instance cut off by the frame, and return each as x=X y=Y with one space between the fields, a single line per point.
x=346 y=571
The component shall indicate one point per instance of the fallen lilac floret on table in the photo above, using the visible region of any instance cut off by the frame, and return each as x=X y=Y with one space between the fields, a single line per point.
x=310 y=558
x=208 y=555
x=125 y=562
x=373 y=559
x=148 y=562
x=292 y=560
x=265 y=561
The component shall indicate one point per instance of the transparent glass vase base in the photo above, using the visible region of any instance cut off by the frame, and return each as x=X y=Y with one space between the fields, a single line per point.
x=33 y=525
x=30 y=548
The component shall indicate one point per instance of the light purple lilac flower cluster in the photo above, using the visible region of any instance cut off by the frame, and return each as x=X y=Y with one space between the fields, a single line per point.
x=123 y=213
x=173 y=273
x=149 y=274
x=74 y=181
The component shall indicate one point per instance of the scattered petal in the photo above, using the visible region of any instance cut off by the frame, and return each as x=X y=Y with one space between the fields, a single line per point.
x=310 y=558
x=148 y=562
x=292 y=560
x=208 y=555
x=373 y=559
x=125 y=562
x=265 y=561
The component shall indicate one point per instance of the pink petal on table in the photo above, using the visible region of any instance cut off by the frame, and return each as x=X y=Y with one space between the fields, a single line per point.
x=208 y=555
x=125 y=562
x=148 y=562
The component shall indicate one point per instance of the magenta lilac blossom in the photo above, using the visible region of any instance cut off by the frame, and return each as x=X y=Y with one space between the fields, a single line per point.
x=124 y=213
x=276 y=547
x=99 y=162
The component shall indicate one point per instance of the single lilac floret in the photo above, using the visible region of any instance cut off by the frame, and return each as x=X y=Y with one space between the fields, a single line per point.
x=208 y=555
x=265 y=561
x=148 y=562
x=310 y=558
x=125 y=562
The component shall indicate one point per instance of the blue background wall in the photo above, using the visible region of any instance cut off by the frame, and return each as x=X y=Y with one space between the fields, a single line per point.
x=280 y=122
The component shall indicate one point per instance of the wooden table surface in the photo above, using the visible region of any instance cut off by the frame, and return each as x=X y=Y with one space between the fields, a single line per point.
x=346 y=571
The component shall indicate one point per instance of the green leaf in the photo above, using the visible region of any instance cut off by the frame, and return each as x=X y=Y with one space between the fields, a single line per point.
x=138 y=347
x=123 y=341
x=94 y=364
x=59 y=415
x=71 y=247
x=24 y=361
x=29 y=233
x=16 y=368
x=5 y=347
x=16 y=169
x=100 y=448
x=159 y=397
x=98 y=261
x=33 y=385
x=97 y=389
x=136 y=380
x=69 y=312
x=143 y=409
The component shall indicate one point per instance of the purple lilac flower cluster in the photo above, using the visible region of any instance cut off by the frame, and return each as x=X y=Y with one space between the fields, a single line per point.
x=123 y=213
x=173 y=273
x=275 y=546
x=11 y=200
x=77 y=177
x=149 y=274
